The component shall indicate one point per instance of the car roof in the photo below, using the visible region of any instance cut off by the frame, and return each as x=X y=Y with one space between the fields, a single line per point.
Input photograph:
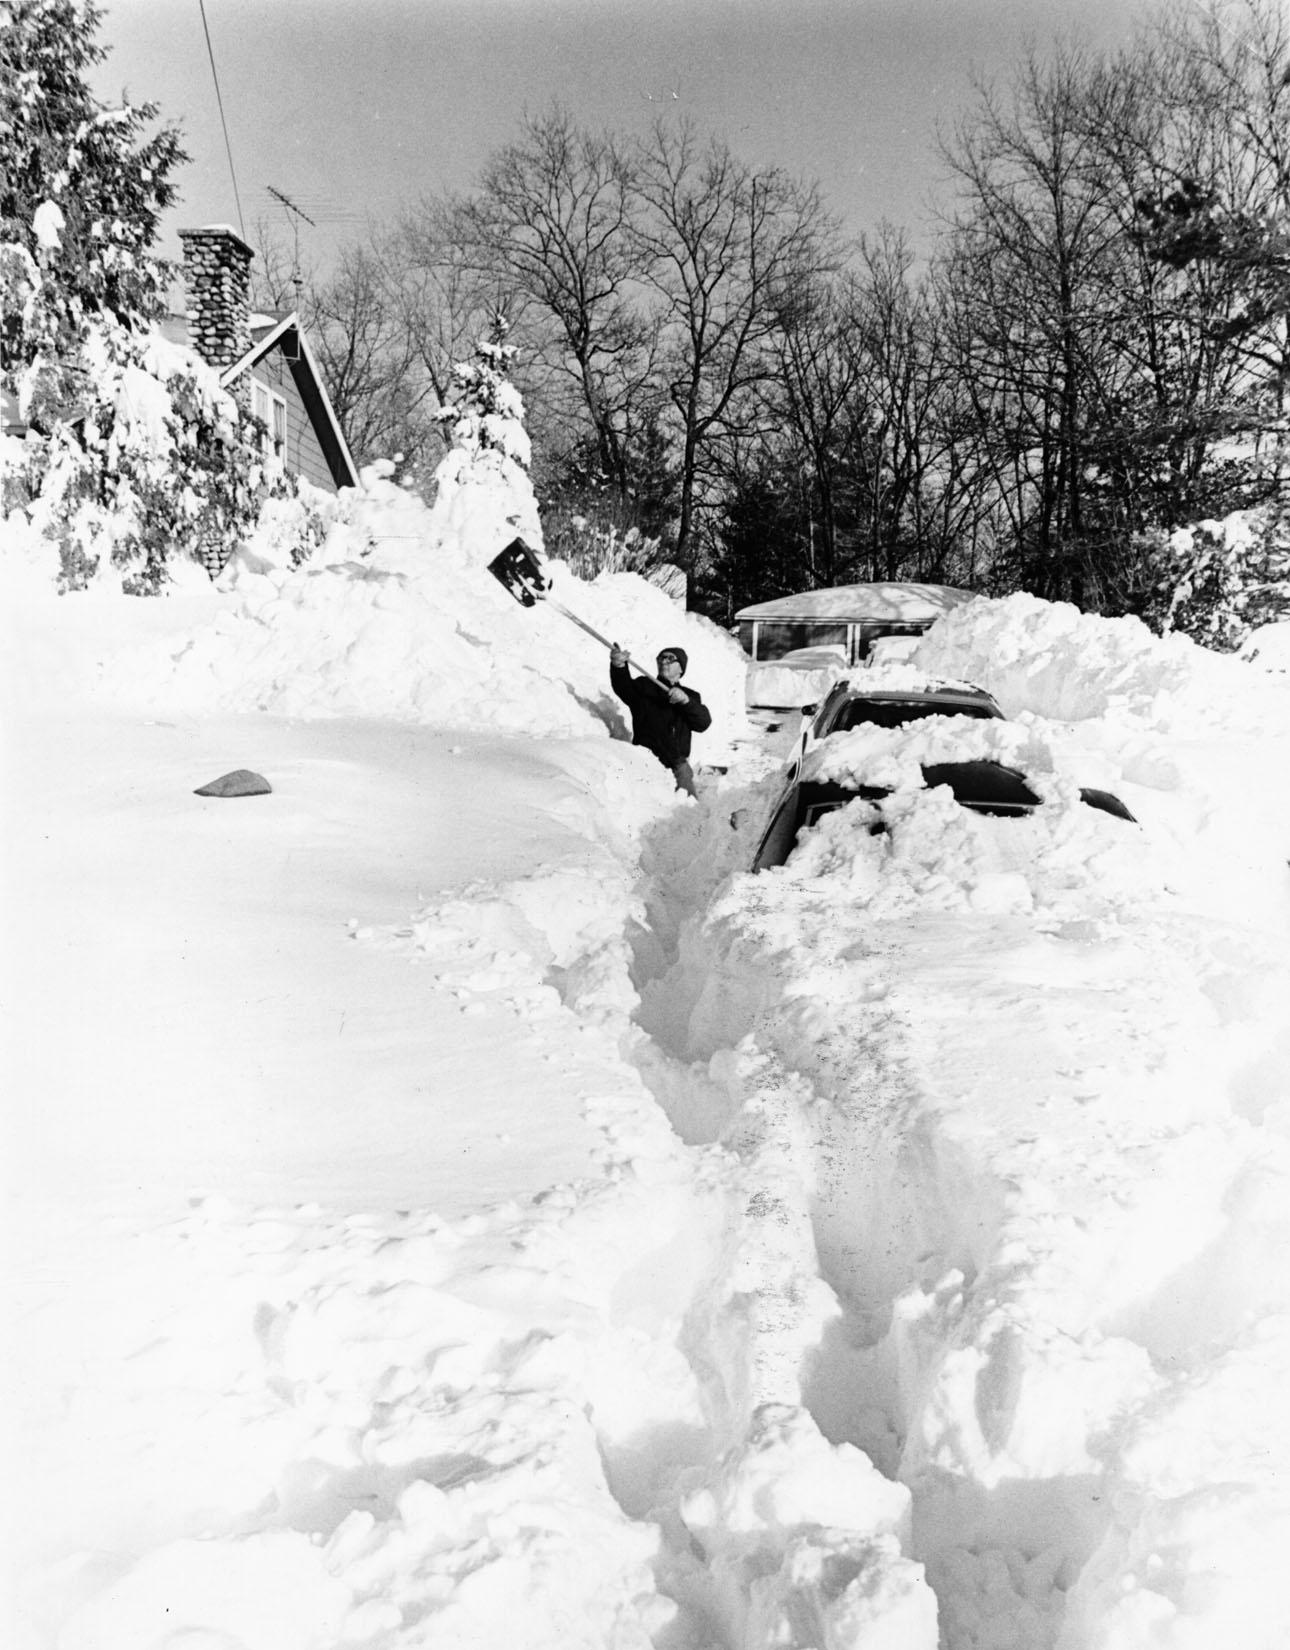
x=916 y=693
x=892 y=687
x=884 y=600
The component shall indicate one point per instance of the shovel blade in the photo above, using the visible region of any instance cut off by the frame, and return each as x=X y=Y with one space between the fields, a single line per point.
x=518 y=570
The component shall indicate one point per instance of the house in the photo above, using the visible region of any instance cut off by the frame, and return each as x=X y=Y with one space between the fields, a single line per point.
x=264 y=360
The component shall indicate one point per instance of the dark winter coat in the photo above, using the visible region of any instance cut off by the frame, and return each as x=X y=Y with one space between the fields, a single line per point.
x=658 y=724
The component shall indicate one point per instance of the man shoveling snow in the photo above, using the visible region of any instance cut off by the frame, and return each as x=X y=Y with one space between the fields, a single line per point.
x=664 y=714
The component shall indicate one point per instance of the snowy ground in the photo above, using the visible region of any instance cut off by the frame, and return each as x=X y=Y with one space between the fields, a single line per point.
x=456 y=1207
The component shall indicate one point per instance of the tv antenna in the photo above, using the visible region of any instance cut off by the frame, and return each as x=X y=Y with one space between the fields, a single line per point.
x=294 y=214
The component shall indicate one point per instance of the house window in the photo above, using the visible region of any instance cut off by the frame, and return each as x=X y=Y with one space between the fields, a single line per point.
x=271 y=410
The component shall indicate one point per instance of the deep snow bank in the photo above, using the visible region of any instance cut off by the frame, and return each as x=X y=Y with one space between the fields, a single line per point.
x=396 y=615
x=1038 y=1071
x=1008 y=1085
x=1197 y=743
x=573 y=1423
x=577 y=1422
x=1068 y=666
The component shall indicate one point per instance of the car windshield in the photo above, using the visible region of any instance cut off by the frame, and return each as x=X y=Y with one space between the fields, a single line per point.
x=776 y=638
x=985 y=785
x=894 y=713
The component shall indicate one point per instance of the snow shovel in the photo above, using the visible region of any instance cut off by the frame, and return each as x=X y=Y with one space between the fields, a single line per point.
x=518 y=570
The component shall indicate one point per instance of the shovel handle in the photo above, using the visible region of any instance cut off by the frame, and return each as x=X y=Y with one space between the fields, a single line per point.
x=583 y=625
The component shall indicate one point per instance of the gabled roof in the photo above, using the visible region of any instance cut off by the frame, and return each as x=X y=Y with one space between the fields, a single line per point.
x=299 y=356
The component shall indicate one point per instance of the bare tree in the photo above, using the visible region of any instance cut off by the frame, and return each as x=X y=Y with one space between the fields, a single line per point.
x=447 y=303
x=1034 y=244
x=810 y=397
x=553 y=217
x=917 y=473
x=364 y=333
x=280 y=283
x=1111 y=277
x=861 y=391
x=1216 y=209
x=728 y=250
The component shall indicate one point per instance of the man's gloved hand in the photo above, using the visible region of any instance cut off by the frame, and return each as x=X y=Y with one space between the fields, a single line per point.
x=678 y=696
x=617 y=657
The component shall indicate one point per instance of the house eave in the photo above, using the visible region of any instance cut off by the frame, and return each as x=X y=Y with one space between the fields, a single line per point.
x=313 y=392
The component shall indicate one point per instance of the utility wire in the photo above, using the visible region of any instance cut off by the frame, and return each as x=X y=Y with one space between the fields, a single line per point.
x=228 y=147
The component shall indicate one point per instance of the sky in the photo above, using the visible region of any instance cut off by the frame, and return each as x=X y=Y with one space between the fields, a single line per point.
x=353 y=108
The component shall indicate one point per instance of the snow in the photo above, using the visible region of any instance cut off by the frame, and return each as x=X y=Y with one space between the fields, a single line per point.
x=862 y=601
x=48 y=224
x=453 y=1204
x=1268 y=645
x=786 y=685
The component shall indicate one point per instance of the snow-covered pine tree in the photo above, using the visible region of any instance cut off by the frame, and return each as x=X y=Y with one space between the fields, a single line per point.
x=483 y=494
x=83 y=191
x=485 y=410
x=136 y=454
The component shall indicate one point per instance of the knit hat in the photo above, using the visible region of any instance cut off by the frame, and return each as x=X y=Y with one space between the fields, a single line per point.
x=678 y=653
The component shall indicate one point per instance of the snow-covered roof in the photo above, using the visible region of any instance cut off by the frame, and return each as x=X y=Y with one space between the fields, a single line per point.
x=890 y=600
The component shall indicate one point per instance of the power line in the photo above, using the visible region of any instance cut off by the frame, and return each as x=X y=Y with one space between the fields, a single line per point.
x=228 y=147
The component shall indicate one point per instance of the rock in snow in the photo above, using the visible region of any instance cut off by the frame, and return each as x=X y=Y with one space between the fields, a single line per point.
x=238 y=782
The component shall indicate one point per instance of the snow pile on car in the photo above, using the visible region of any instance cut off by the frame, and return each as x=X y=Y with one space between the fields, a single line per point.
x=1196 y=743
x=933 y=854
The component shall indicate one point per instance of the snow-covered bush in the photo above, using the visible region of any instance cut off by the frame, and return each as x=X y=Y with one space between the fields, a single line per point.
x=157 y=464
x=292 y=526
x=1216 y=581
x=591 y=547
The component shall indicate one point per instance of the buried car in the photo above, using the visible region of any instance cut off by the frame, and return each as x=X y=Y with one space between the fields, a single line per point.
x=798 y=645
x=983 y=785
x=894 y=701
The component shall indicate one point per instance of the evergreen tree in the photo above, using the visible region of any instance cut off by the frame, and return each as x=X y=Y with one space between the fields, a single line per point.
x=485 y=411
x=137 y=455
x=761 y=549
x=483 y=494
x=82 y=189
x=1216 y=581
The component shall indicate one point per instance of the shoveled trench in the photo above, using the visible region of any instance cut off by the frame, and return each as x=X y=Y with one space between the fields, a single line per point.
x=894 y=1211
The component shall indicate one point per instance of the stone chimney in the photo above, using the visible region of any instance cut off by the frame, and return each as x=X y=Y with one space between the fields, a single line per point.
x=217 y=279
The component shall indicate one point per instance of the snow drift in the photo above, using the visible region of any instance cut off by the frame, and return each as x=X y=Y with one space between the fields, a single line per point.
x=927 y=1284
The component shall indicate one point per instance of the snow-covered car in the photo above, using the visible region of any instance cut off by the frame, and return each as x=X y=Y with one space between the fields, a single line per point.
x=892 y=700
x=982 y=785
x=799 y=645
